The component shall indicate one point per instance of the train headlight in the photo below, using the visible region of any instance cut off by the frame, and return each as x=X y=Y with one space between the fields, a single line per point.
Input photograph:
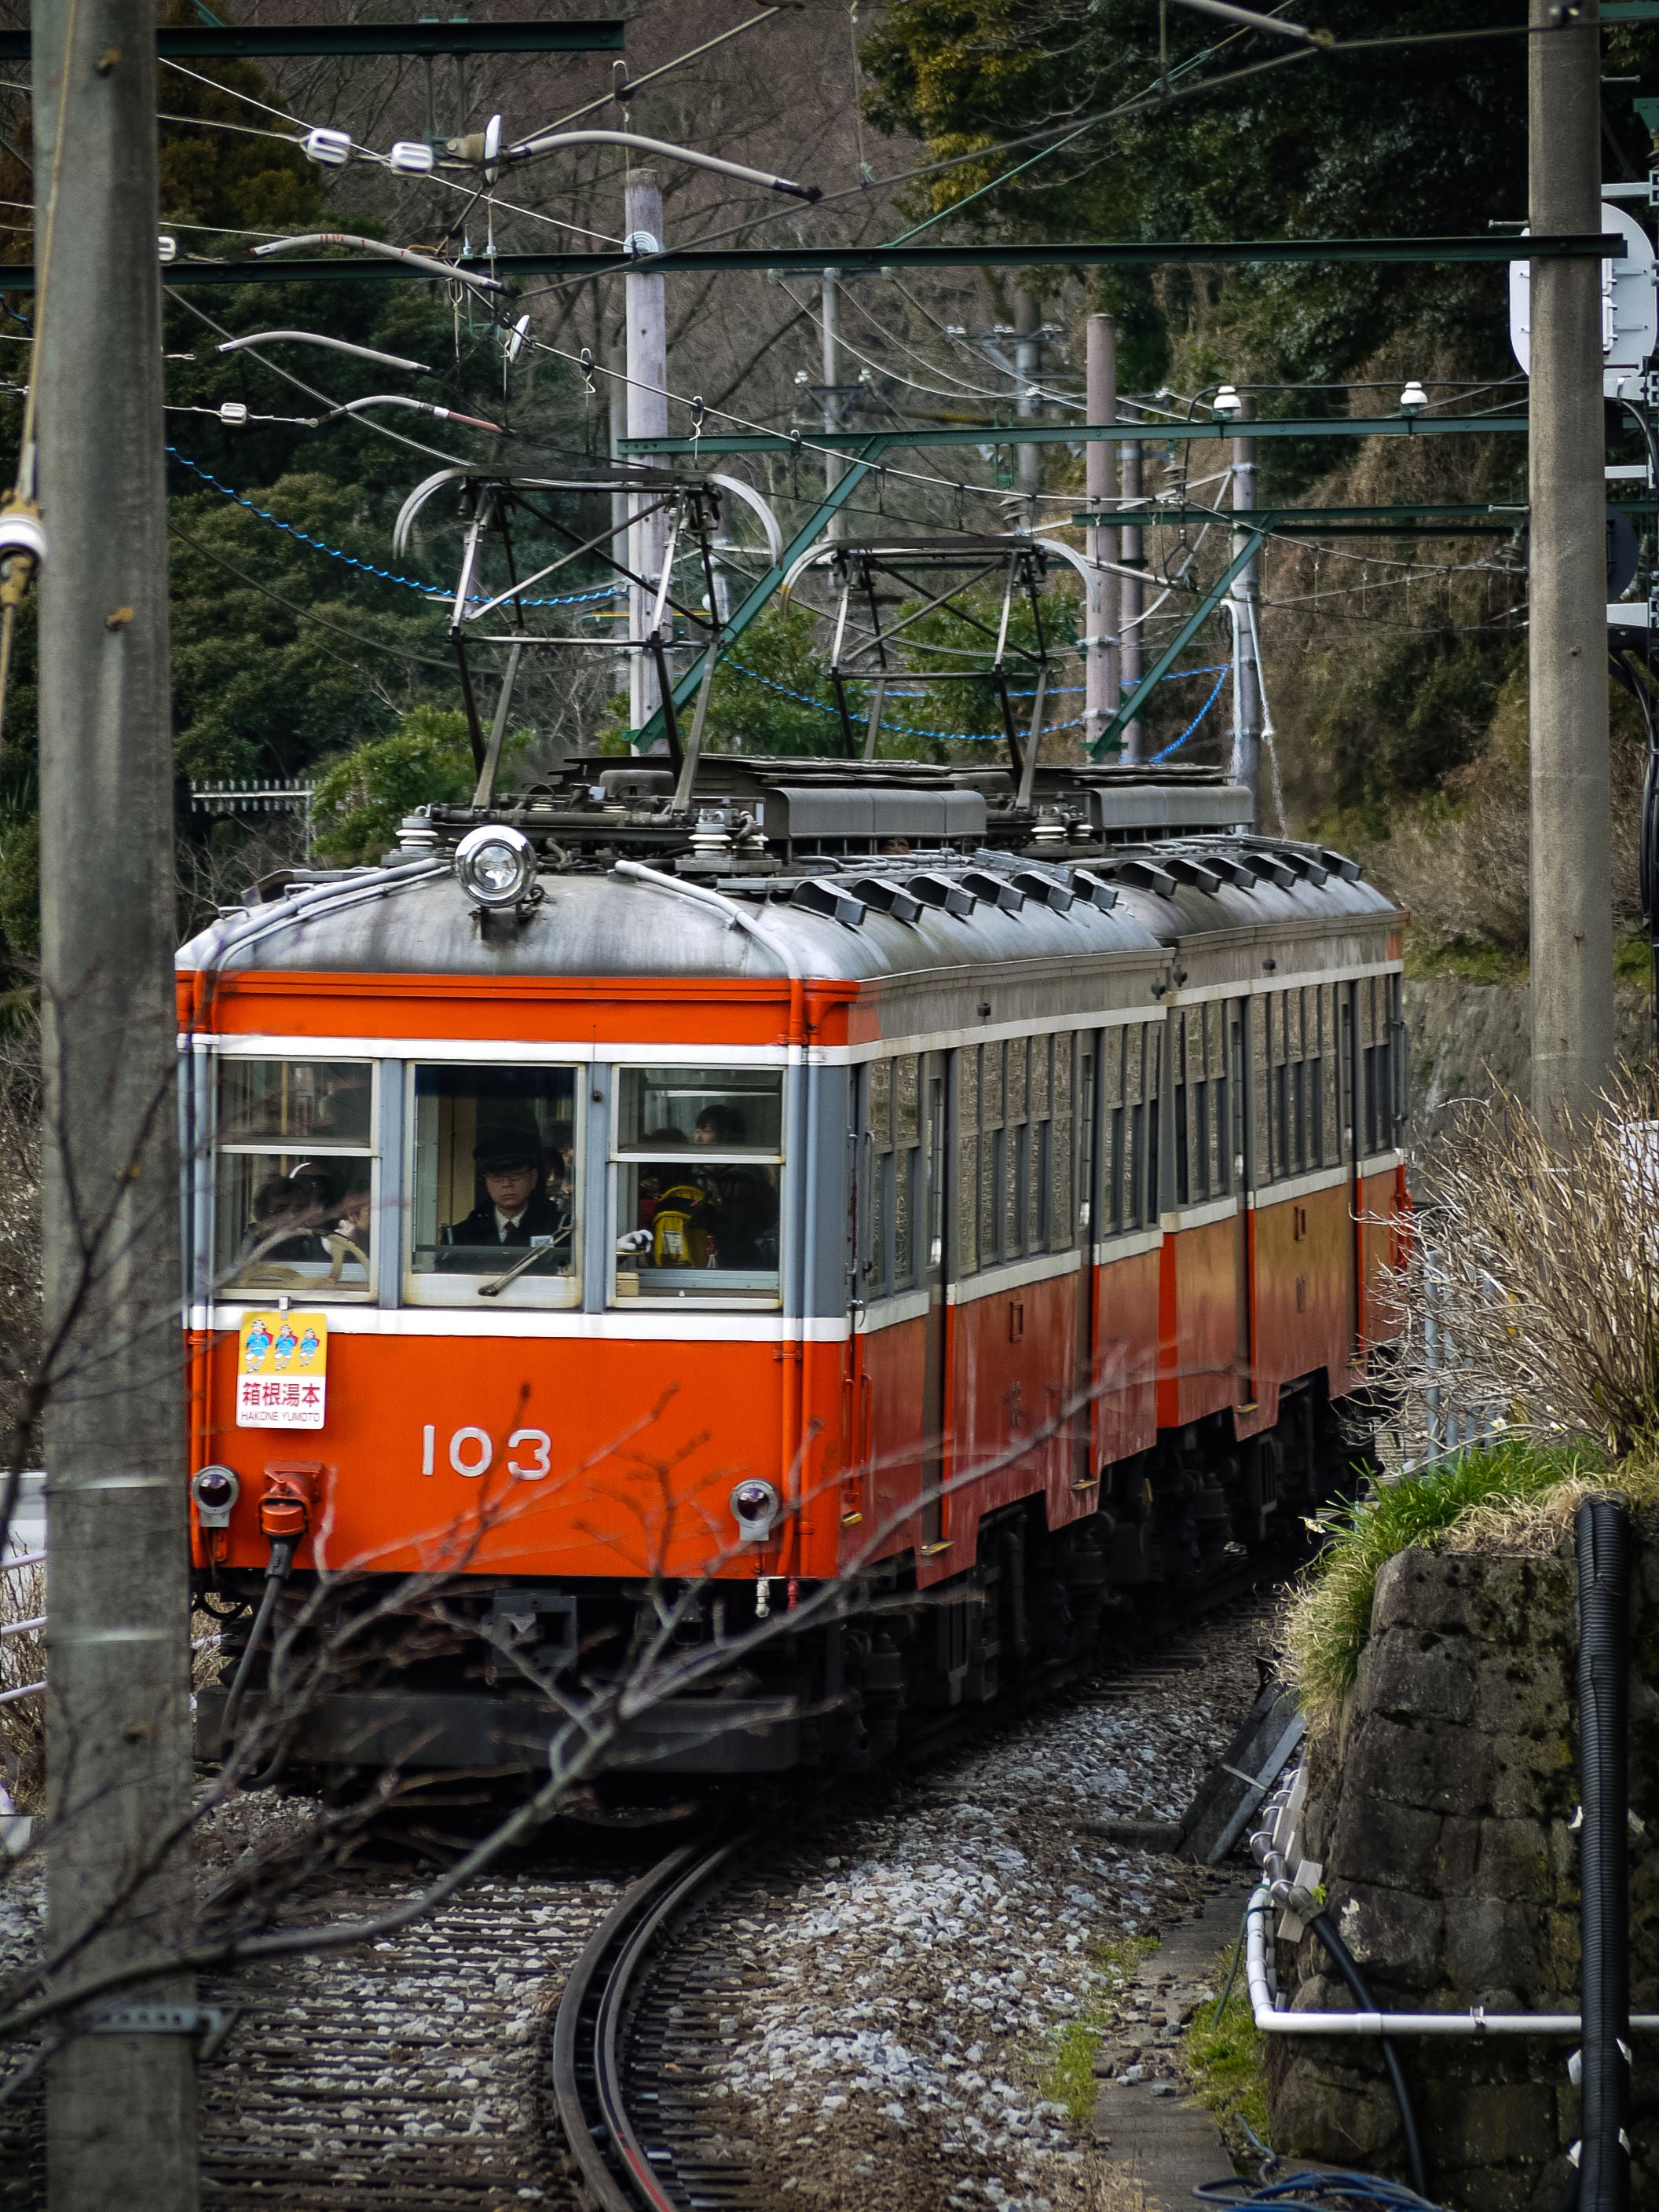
x=757 y=1506
x=215 y=1490
x=494 y=865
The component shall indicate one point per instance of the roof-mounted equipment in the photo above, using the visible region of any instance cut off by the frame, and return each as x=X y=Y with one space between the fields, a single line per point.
x=887 y=898
x=941 y=891
x=818 y=897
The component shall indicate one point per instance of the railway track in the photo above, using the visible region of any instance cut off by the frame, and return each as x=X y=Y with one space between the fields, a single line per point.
x=624 y=2162
x=648 y=2015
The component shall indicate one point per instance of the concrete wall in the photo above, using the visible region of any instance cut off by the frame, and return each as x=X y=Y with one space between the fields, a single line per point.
x=1441 y=1816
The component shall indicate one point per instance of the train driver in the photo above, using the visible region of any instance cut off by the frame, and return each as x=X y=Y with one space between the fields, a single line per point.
x=517 y=1210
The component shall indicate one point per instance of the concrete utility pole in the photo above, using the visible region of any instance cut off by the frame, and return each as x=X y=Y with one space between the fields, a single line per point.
x=647 y=417
x=1100 y=661
x=620 y=595
x=831 y=390
x=121 y=2108
x=1567 y=639
x=1028 y=365
x=1246 y=592
x=1130 y=597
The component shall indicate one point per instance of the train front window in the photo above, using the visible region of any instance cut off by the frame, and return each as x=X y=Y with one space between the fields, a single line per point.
x=698 y=1155
x=295 y=1178
x=496 y=1211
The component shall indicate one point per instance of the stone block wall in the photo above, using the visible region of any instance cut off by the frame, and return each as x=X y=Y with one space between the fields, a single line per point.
x=1441 y=1814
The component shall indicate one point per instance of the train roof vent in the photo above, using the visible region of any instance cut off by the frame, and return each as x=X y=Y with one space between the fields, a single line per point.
x=1048 y=889
x=1095 y=889
x=1306 y=866
x=818 y=897
x=942 y=891
x=1142 y=875
x=1230 y=871
x=1339 y=865
x=890 y=898
x=1190 y=871
x=996 y=890
x=1269 y=864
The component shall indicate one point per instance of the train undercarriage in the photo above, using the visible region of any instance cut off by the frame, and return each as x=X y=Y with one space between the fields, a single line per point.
x=492 y=1672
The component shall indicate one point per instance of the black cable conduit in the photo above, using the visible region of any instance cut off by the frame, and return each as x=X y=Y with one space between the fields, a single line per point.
x=1347 y=1966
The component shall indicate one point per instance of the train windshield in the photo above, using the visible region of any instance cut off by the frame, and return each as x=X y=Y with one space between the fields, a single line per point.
x=296 y=1176
x=495 y=1199
x=699 y=1153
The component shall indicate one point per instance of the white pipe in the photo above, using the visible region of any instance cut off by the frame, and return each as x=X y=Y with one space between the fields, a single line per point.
x=334 y=345
x=1478 y=2021
x=550 y=140
x=444 y=268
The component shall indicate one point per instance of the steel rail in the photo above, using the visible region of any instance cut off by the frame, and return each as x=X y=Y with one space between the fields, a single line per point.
x=615 y=2172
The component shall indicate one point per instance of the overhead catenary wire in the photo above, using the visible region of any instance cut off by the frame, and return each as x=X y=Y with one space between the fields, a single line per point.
x=304 y=614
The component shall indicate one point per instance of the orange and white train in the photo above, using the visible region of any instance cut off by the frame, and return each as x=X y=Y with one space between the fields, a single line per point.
x=856 y=1170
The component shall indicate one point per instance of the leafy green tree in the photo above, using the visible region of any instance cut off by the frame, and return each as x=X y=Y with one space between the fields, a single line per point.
x=426 y=761
x=1404 y=137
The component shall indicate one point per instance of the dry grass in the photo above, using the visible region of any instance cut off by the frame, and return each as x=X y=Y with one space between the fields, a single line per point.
x=1540 y=1524
x=1535 y=1270
x=1536 y=1260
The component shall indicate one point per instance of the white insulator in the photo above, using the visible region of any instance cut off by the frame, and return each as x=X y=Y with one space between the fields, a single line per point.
x=330 y=149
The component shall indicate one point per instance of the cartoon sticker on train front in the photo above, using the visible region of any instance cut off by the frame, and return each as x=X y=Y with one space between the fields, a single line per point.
x=282 y=1371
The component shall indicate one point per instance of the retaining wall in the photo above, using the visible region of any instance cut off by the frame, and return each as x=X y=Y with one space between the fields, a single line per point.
x=1441 y=1812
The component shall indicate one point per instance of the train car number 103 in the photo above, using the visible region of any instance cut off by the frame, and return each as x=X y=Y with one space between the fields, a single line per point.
x=473 y=1453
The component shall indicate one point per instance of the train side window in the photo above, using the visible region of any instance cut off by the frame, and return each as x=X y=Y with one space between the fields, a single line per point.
x=1062 y=1225
x=1114 y=1132
x=295 y=1178
x=993 y=1148
x=965 y=1256
x=1296 y=1086
x=1261 y=1048
x=1016 y=1152
x=698 y=1158
x=1330 y=1102
x=1039 y=1105
x=1374 y=1091
x=875 y=1168
x=496 y=1206
x=907 y=1144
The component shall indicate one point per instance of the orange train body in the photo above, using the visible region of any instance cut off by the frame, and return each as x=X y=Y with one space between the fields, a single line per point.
x=1045 y=1228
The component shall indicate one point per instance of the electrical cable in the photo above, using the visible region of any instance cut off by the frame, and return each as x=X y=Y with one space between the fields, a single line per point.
x=1328 y=2190
x=368 y=568
x=302 y=614
x=282 y=1549
x=1176 y=744
x=368 y=422
x=1343 y=1959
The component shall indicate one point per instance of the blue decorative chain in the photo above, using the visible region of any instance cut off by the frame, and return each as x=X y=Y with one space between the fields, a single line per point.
x=1197 y=718
x=367 y=568
x=986 y=737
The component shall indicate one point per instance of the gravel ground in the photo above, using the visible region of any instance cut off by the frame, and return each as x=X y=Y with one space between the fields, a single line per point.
x=904 y=1975
x=404 y=2074
x=910 y=1970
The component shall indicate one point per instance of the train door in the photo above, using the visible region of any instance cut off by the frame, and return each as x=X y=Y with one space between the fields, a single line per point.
x=934 y=1156
x=1237 y=1138
x=1084 y=1233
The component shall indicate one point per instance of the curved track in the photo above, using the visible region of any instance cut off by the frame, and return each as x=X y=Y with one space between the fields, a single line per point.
x=616 y=2171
